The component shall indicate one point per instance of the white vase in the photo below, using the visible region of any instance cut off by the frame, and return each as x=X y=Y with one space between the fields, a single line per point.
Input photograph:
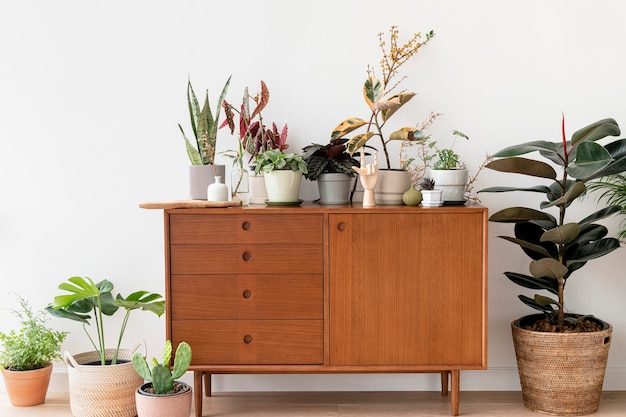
x=218 y=191
x=392 y=183
x=283 y=186
x=200 y=176
x=451 y=181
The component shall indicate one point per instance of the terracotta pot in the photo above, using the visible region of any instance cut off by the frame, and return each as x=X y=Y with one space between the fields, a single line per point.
x=163 y=405
x=27 y=388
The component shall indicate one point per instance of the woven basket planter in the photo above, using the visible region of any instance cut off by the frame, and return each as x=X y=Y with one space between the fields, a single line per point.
x=103 y=391
x=561 y=373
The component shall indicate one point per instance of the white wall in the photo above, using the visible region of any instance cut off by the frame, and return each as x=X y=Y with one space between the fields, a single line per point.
x=91 y=94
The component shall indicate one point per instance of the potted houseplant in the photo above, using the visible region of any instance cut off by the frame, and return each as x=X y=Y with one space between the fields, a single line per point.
x=254 y=138
x=283 y=174
x=204 y=124
x=331 y=166
x=383 y=101
x=561 y=357
x=102 y=370
x=26 y=356
x=163 y=395
x=448 y=172
x=431 y=196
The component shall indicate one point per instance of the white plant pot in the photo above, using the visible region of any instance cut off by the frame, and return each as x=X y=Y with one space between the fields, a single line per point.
x=392 y=183
x=451 y=181
x=283 y=186
x=432 y=198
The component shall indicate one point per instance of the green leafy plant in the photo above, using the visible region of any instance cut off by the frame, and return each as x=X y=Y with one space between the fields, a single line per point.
x=275 y=159
x=35 y=345
x=85 y=298
x=613 y=190
x=332 y=157
x=204 y=126
x=160 y=374
x=381 y=98
x=557 y=245
x=446 y=158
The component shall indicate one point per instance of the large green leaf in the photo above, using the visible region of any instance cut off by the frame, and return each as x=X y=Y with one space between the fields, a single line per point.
x=600 y=214
x=519 y=214
x=531 y=302
x=358 y=141
x=595 y=249
x=542 y=251
x=537 y=189
x=523 y=166
x=143 y=300
x=524 y=148
x=563 y=234
x=617 y=149
x=533 y=283
x=531 y=232
x=598 y=130
x=590 y=232
x=373 y=91
x=548 y=268
x=572 y=193
x=590 y=159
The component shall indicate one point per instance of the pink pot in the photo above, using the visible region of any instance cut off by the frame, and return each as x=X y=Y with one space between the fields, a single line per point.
x=163 y=405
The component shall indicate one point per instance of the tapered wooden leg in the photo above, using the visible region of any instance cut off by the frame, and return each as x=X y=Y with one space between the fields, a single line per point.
x=207 y=384
x=444 y=383
x=197 y=387
x=454 y=396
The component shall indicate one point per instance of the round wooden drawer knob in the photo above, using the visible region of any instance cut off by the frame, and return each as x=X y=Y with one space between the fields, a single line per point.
x=246 y=256
x=342 y=226
x=247 y=339
x=246 y=226
x=247 y=294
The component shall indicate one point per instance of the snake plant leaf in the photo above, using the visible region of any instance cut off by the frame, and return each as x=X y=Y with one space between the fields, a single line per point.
x=593 y=250
x=347 y=126
x=389 y=107
x=523 y=166
x=600 y=214
x=590 y=159
x=192 y=152
x=358 y=141
x=575 y=191
x=548 y=268
x=537 y=189
x=408 y=134
x=595 y=131
x=194 y=108
x=373 y=92
x=519 y=214
x=533 y=283
x=524 y=148
x=528 y=245
x=562 y=235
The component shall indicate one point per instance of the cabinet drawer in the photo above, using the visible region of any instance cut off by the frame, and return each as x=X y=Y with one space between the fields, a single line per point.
x=247 y=342
x=247 y=297
x=245 y=228
x=247 y=259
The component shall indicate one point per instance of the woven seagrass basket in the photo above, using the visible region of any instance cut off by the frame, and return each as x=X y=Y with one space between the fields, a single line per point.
x=103 y=391
x=561 y=373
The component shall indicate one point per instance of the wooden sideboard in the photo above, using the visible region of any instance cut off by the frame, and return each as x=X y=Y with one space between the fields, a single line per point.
x=328 y=289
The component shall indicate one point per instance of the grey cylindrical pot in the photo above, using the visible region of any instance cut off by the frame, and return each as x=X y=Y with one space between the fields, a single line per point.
x=334 y=188
x=200 y=176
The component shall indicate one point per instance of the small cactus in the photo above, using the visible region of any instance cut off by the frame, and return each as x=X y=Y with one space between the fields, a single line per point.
x=161 y=376
x=427 y=184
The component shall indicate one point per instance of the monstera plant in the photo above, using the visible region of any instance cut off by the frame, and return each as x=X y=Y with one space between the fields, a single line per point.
x=557 y=245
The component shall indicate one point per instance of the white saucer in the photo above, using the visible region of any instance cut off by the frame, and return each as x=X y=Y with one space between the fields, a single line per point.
x=432 y=204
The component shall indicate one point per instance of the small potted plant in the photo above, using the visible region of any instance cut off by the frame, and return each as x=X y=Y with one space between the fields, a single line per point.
x=331 y=166
x=448 y=171
x=26 y=356
x=283 y=174
x=92 y=373
x=204 y=125
x=561 y=356
x=431 y=196
x=163 y=395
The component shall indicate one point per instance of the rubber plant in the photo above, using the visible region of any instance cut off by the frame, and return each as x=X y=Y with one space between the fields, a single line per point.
x=84 y=298
x=557 y=245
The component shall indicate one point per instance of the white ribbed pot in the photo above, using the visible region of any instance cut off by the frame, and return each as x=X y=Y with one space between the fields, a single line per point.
x=451 y=181
x=283 y=186
x=392 y=183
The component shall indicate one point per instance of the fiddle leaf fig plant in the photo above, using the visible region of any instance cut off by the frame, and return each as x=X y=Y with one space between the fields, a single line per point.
x=557 y=245
x=160 y=374
x=86 y=300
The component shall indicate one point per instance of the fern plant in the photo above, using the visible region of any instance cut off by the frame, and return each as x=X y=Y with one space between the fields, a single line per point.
x=613 y=190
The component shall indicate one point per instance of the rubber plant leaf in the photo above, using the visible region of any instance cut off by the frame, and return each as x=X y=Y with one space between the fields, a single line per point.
x=533 y=283
x=358 y=141
x=542 y=300
x=562 y=235
x=594 y=250
x=407 y=134
x=530 y=302
x=395 y=103
x=373 y=92
x=537 y=189
x=531 y=233
x=573 y=192
x=590 y=159
x=524 y=148
x=523 y=166
x=595 y=131
x=528 y=245
x=600 y=214
x=617 y=150
x=518 y=214
x=548 y=268
x=590 y=232
x=347 y=126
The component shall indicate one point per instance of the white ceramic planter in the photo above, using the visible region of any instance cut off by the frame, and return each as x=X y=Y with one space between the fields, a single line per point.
x=432 y=198
x=283 y=186
x=392 y=183
x=451 y=181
